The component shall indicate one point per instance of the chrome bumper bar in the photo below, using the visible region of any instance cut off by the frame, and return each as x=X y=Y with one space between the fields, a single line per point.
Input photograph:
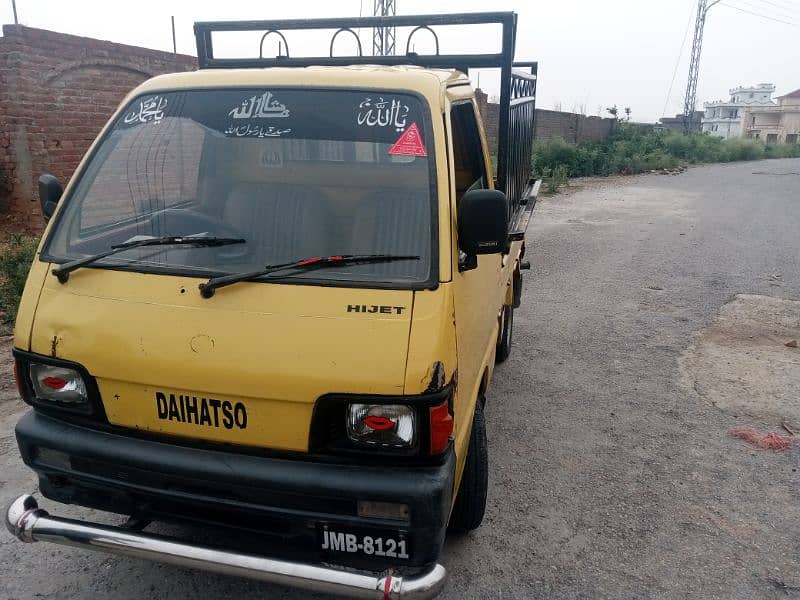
x=30 y=523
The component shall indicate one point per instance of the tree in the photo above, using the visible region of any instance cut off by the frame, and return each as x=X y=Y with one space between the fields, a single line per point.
x=614 y=112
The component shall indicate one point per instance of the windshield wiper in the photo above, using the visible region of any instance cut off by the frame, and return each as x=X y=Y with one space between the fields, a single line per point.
x=317 y=262
x=62 y=272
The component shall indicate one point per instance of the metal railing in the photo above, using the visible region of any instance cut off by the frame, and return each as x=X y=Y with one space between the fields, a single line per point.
x=516 y=177
x=207 y=60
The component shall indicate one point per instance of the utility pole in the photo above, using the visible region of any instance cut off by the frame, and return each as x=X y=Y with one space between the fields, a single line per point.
x=383 y=37
x=690 y=102
x=14 y=6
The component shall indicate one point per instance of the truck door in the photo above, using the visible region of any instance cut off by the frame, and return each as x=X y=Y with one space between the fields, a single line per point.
x=476 y=291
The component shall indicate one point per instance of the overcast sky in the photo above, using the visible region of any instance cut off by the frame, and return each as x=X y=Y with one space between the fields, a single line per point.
x=591 y=54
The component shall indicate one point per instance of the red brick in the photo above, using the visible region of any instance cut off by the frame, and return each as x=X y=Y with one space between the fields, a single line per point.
x=60 y=90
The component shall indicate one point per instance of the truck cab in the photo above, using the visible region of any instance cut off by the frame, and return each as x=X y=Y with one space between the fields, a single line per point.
x=271 y=300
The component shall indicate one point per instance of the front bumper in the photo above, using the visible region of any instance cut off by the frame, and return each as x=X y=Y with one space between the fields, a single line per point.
x=271 y=502
x=29 y=523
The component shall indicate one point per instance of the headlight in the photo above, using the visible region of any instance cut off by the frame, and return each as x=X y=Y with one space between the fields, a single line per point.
x=58 y=384
x=381 y=425
x=408 y=428
x=50 y=383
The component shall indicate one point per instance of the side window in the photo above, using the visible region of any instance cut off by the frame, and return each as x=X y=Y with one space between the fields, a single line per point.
x=470 y=171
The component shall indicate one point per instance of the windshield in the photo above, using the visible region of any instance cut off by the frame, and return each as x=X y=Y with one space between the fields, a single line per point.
x=295 y=173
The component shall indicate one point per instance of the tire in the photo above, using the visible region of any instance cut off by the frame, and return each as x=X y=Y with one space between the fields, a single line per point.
x=471 y=500
x=505 y=335
x=517 y=283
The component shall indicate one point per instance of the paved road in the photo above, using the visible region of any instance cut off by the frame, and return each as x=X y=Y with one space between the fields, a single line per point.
x=610 y=476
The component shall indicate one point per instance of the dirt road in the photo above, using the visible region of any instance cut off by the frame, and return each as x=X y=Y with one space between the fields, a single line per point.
x=612 y=470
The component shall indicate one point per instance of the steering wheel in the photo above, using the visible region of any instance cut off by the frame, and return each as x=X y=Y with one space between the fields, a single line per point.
x=187 y=221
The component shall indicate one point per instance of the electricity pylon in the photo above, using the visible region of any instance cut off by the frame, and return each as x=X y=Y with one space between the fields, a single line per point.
x=694 y=66
x=383 y=37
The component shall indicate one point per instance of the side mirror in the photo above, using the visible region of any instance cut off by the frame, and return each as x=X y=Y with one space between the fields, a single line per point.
x=482 y=224
x=50 y=191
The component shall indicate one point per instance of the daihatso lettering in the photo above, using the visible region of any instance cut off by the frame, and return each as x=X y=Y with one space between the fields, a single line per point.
x=208 y=412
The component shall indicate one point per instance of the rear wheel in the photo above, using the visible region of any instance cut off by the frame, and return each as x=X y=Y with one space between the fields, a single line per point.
x=506 y=331
x=471 y=500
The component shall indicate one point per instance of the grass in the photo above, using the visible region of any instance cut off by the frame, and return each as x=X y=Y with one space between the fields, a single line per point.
x=632 y=149
x=16 y=256
x=554 y=178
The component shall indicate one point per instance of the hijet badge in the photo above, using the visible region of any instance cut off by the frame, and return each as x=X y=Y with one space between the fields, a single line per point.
x=409 y=144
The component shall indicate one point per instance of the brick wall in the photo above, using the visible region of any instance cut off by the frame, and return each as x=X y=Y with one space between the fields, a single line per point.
x=56 y=93
x=549 y=123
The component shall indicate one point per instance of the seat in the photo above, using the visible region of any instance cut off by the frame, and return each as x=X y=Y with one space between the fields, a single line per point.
x=394 y=222
x=281 y=223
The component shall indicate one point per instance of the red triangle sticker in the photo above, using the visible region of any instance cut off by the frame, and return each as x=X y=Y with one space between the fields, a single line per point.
x=410 y=143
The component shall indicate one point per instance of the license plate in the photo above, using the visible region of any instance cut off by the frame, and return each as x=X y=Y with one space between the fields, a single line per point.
x=380 y=544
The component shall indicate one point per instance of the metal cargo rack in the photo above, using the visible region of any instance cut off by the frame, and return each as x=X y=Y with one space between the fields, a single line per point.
x=517 y=79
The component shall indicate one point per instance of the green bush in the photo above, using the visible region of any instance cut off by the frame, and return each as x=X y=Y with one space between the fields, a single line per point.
x=743 y=149
x=554 y=153
x=16 y=256
x=677 y=145
x=782 y=150
x=660 y=159
x=634 y=149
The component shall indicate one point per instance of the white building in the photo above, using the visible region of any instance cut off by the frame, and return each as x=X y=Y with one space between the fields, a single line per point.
x=724 y=119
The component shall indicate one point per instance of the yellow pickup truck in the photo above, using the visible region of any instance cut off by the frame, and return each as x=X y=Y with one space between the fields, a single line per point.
x=271 y=300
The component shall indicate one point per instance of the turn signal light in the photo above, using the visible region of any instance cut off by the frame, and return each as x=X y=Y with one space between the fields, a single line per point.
x=441 y=427
x=18 y=379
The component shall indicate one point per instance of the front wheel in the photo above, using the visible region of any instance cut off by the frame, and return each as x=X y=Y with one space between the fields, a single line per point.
x=471 y=500
x=506 y=331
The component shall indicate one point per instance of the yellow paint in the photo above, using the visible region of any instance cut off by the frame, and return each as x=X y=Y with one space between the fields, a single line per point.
x=27 y=304
x=478 y=298
x=277 y=348
x=432 y=339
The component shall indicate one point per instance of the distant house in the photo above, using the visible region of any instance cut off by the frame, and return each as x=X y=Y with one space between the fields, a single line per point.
x=676 y=123
x=780 y=123
x=724 y=118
